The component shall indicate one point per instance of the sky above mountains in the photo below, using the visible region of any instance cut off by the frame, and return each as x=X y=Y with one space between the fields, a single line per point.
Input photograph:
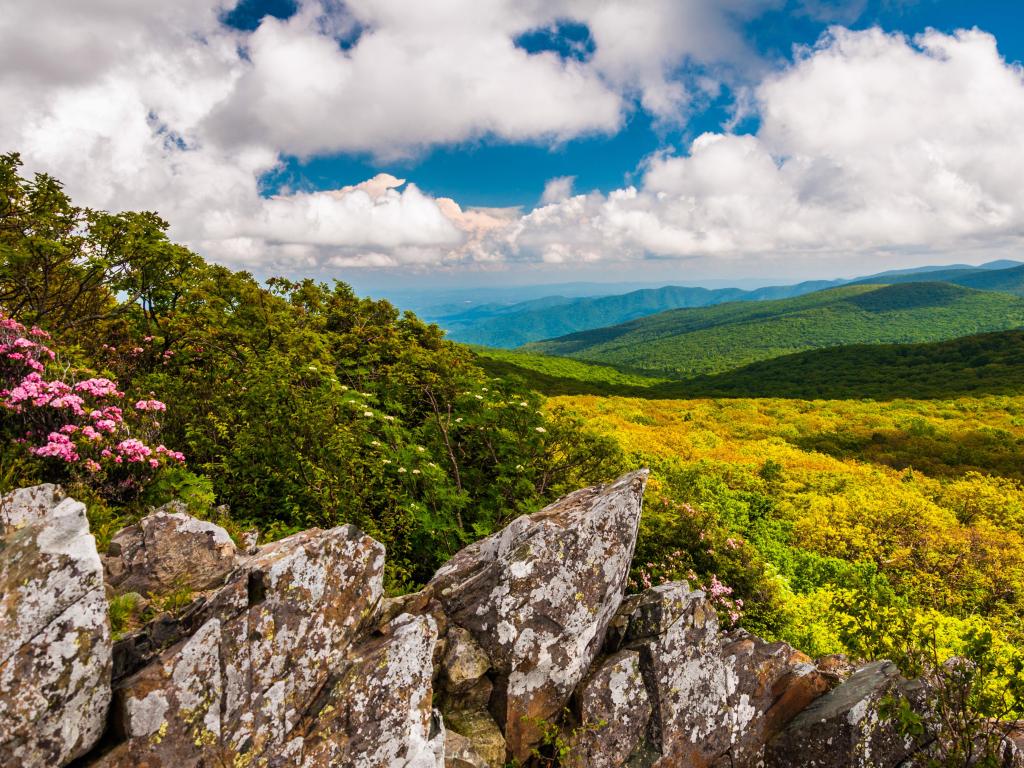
x=464 y=142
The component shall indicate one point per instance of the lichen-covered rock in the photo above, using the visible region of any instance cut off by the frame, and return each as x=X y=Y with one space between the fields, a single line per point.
x=714 y=699
x=538 y=597
x=770 y=684
x=479 y=729
x=675 y=631
x=459 y=752
x=169 y=549
x=272 y=636
x=843 y=729
x=614 y=710
x=27 y=505
x=54 y=632
x=378 y=714
x=464 y=663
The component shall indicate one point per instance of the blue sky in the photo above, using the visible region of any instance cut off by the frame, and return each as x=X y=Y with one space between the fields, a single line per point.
x=402 y=144
x=486 y=172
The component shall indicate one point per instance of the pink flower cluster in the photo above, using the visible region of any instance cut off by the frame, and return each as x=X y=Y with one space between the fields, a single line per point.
x=82 y=421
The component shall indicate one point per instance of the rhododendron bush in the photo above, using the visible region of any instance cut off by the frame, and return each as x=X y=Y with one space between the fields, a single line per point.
x=80 y=428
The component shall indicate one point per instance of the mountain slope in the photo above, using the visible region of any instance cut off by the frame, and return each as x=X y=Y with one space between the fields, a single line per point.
x=505 y=325
x=512 y=326
x=692 y=342
x=985 y=278
x=989 y=363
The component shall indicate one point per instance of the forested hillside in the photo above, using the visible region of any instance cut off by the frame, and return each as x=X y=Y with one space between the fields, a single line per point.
x=539 y=319
x=692 y=342
x=988 y=363
x=844 y=524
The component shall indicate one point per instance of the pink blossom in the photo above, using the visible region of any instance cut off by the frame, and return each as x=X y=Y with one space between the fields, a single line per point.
x=133 y=450
x=98 y=387
x=150 y=405
x=57 y=446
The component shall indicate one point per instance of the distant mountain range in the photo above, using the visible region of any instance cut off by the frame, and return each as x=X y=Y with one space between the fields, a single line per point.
x=508 y=326
x=688 y=343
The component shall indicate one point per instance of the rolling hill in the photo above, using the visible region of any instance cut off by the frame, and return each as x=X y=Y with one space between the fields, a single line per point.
x=508 y=325
x=688 y=343
x=512 y=326
x=983 y=364
x=970 y=366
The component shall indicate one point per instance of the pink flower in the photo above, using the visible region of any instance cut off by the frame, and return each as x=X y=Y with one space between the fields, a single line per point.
x=133 y=450
x=150 y=405
x=57 y=446
x=98 y=387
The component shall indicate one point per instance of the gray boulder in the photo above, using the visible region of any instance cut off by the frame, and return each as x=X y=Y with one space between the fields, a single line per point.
x=267 y=644
x=844 y=729
x=378 y=714
x=169 y=549
x=538 y=597
x=55 y=647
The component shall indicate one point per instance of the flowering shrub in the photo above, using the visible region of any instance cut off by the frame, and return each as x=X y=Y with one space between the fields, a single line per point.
x=680 y=541
x=675 y=564
x=82 y=429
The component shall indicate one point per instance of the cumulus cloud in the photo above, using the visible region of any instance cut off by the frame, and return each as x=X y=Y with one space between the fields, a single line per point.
x=147 y=104
x=557 y=189
x=867 y=142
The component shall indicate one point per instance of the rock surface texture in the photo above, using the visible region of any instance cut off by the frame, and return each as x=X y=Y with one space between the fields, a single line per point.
x=54 y=634
x=538 y=597
x=169 y=550
x=523 y=647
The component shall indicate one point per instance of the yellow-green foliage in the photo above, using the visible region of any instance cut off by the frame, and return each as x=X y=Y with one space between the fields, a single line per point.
x=854 y=507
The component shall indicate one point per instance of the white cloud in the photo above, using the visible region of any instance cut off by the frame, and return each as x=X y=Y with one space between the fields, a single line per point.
x=868 y=142
x=147 y=104
x=557 y=189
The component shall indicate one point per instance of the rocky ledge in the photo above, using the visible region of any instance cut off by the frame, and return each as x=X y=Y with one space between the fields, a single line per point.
x=290 y=655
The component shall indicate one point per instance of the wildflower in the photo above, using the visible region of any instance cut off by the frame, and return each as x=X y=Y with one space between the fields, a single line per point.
x=540 y=429
x=368 y=414
x=401 y=470
x=415 y=471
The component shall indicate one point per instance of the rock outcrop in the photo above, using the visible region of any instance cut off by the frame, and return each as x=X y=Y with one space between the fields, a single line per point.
x=843 y=729
x=524 y=647
x=538 y=597
x=237 y=688
x=55 y=647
